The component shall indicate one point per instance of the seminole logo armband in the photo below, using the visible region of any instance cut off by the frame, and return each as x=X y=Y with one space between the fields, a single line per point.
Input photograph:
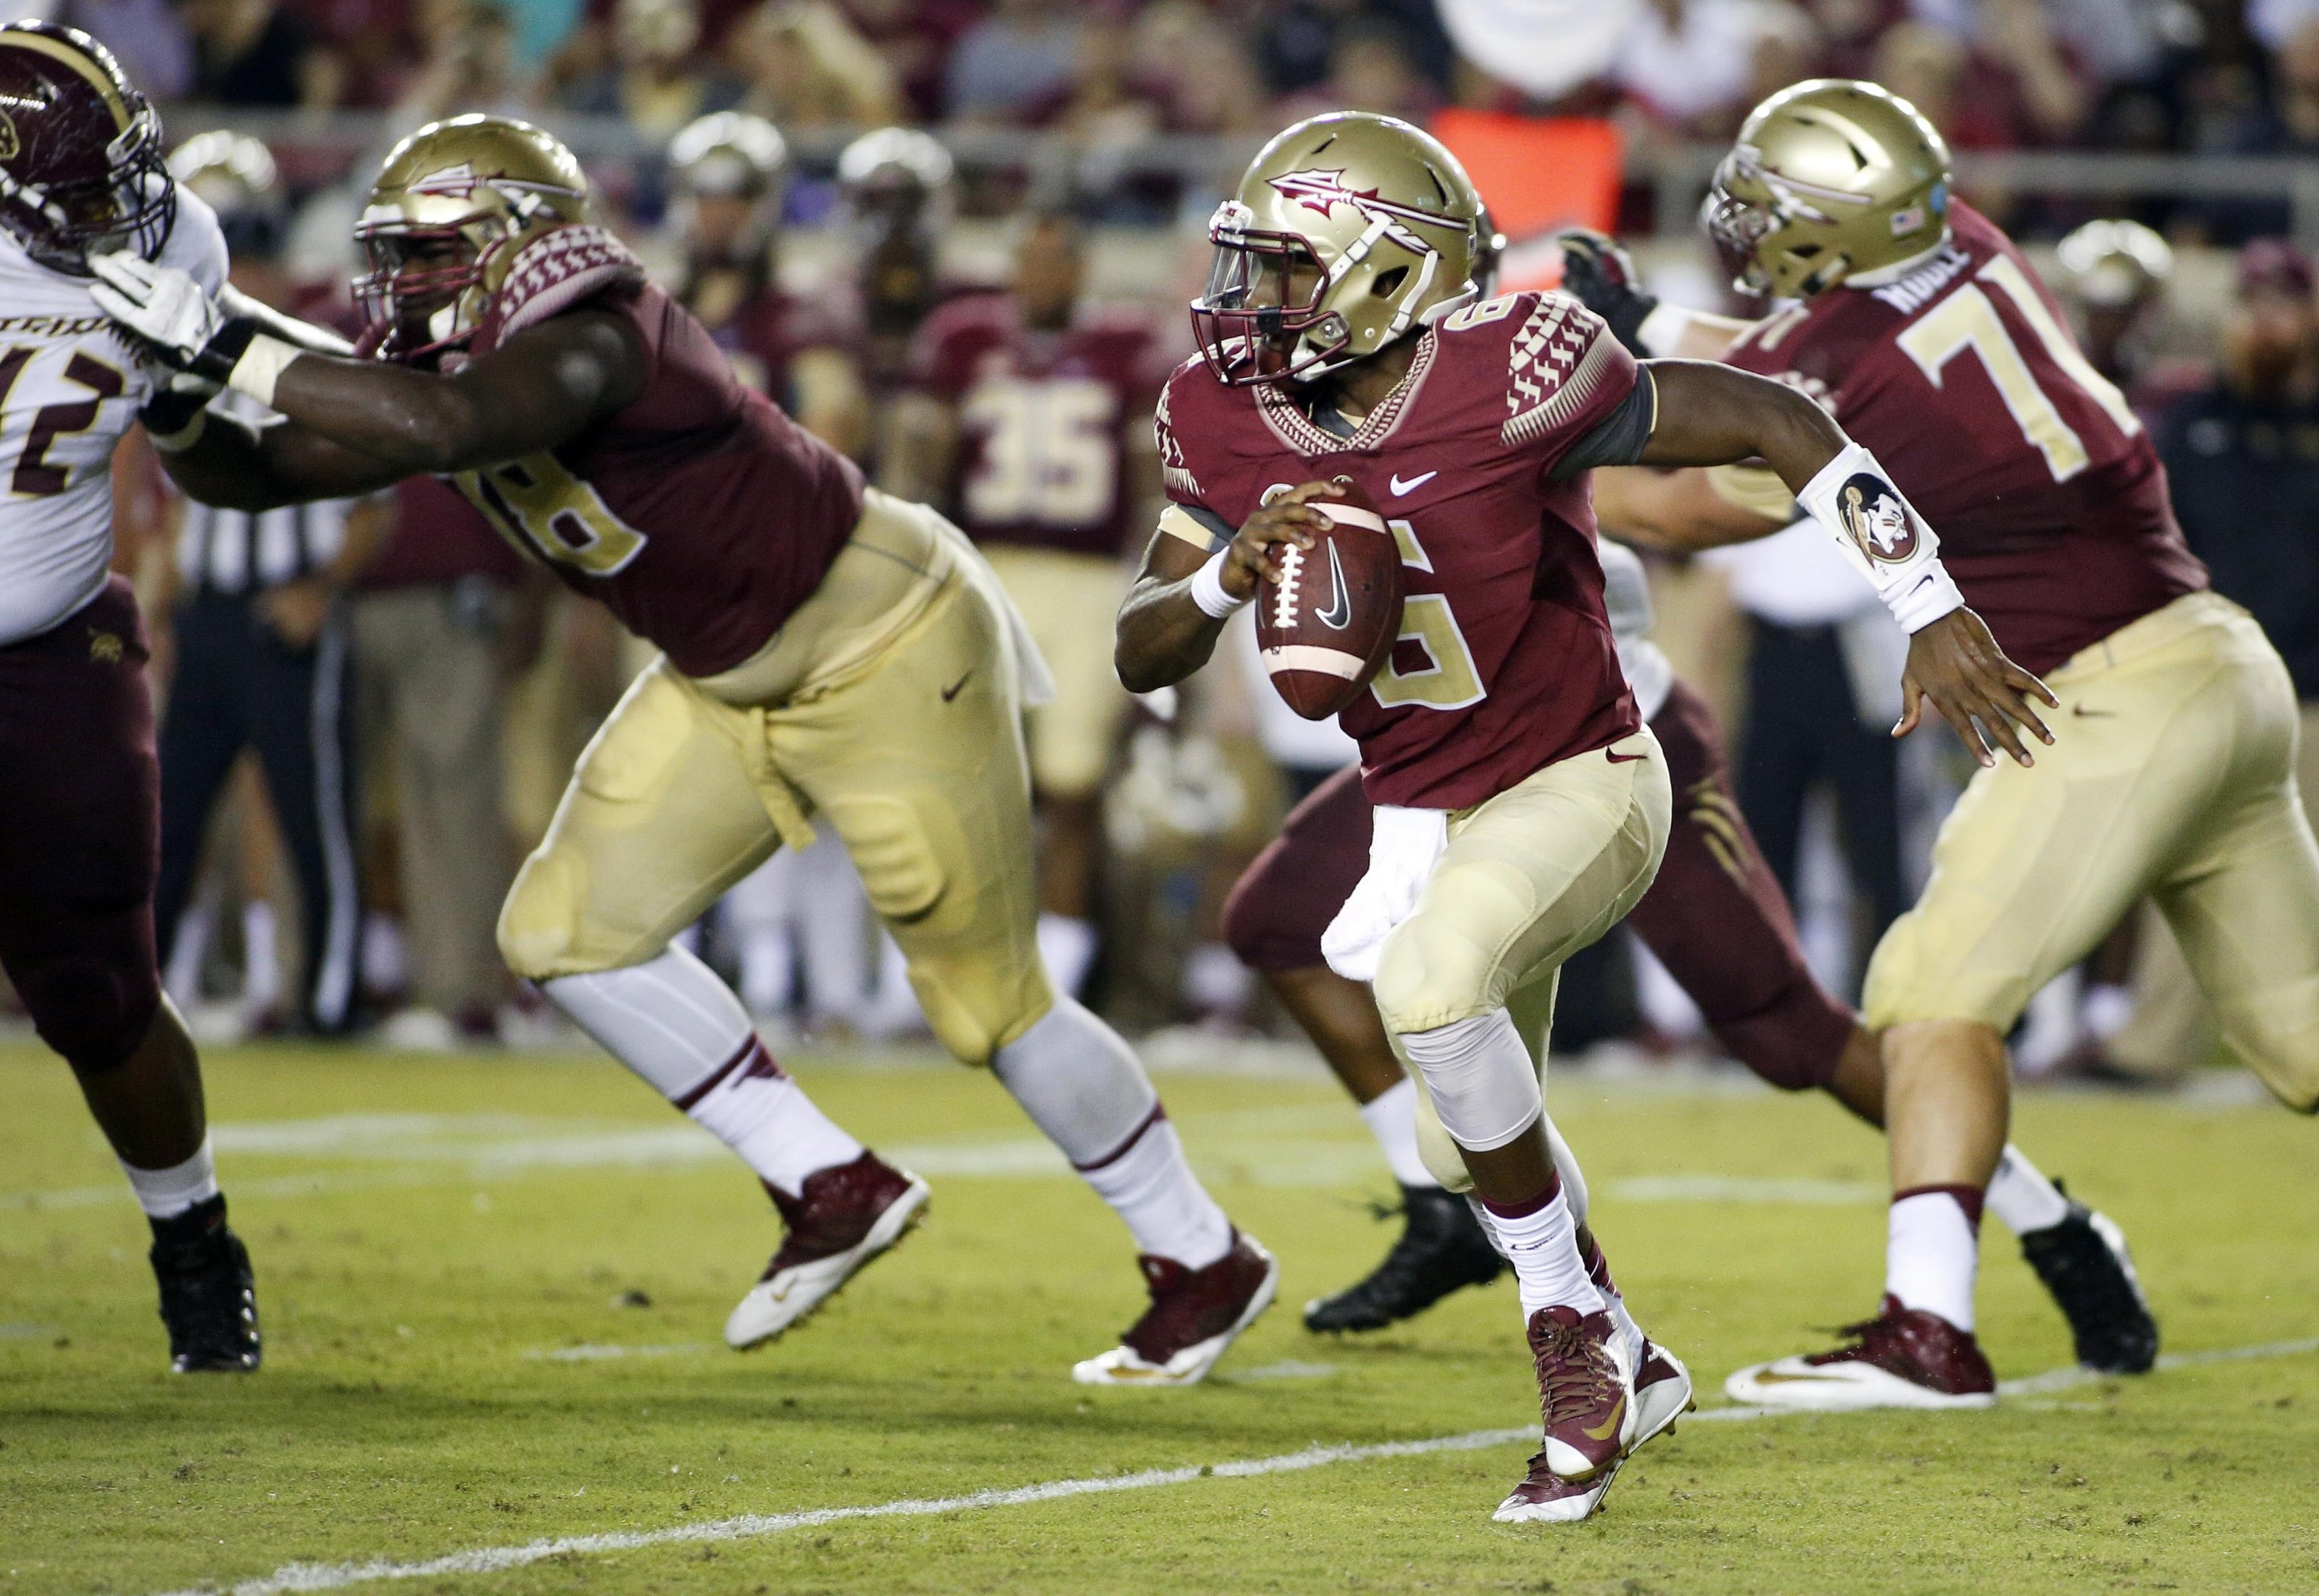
x=1882 y=535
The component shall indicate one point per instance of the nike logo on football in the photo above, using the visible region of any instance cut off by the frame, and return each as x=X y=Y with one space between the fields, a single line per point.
x=953 y=689
x=1609 y=1427
x=1412 y=485
x=1340 y=613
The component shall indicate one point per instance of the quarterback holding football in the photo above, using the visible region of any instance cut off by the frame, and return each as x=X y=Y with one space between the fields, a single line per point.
x=1522 y=805
x=827 y=650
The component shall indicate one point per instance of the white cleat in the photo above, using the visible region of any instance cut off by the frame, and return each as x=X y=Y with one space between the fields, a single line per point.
x=1195 y=1315
x=843 y=1221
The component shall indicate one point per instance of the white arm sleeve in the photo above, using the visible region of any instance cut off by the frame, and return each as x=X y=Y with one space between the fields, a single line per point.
x=1883 y=537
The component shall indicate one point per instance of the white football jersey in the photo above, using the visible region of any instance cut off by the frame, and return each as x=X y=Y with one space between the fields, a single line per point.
x=70 y=385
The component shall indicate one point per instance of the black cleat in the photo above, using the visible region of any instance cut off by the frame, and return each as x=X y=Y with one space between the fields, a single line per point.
x=209 y=1299
x=2085 y=1265
x=1442 y=1248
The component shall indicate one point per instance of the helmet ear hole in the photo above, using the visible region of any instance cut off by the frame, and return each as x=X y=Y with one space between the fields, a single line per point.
x=1388 y=283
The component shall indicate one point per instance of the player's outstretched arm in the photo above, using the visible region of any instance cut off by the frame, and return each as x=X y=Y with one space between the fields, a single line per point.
x=538 y=389
x=1170 y=620
x=1714 y=415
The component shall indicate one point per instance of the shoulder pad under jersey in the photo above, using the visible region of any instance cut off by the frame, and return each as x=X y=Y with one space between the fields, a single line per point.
x=555 y=271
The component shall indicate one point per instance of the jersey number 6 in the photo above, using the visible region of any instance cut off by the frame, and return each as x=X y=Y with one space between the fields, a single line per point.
x=1448 y=680
x=544 y=509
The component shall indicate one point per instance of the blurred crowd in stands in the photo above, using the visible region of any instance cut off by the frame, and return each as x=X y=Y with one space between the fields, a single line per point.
x=338 y=865
x=2149 y=75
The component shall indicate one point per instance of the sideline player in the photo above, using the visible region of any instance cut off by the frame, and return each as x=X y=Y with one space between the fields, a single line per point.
x=1922 y=329
x=82 y=174
x=1522 y=805
x=1025 y=419
x=827 y=649
x=1716 y=918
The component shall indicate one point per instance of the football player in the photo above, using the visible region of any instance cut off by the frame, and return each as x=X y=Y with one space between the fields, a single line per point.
x=82 y=175
x=727 y=173
x=1922 y=330
x=1522 y=805
x=1714 y=916
x=826 y=650
x=1028 y=420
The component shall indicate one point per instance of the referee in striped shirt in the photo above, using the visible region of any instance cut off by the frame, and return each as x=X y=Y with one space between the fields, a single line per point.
x=262 y=647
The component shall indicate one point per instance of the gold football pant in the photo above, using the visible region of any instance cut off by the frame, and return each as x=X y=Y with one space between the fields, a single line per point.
x=1528 y=877
x=1069 y=601
x=890 y=706
x=2172 y=773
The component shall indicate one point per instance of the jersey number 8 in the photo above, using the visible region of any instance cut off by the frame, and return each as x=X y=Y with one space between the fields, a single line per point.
x=544 y=509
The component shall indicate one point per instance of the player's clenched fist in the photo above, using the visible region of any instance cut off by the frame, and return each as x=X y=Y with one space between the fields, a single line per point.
x=1254 y=555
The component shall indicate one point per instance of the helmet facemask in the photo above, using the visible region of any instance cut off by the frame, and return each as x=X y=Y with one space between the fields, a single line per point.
x=1270 y=312
x=130 y=205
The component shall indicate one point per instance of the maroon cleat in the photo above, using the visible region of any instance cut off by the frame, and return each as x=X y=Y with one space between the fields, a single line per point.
x=1195 y=1315
x=1585 y=1393
x=842 y=1218
x=1904 y=1357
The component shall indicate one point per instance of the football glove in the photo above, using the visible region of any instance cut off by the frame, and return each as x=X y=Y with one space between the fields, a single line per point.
x=174 y=316
x=1599 y=274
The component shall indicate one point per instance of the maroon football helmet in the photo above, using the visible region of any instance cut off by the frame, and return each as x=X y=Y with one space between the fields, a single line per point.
x=82 y=171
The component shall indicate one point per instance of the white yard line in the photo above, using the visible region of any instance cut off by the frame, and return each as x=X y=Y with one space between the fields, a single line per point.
x=292 y=1578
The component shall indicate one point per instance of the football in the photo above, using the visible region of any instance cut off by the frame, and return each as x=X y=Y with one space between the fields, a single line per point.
x=1326 y=628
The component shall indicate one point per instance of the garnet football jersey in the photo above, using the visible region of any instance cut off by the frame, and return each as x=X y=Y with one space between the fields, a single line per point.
x=1505 y=662
x=1043 y=417
x=700 y=514
x=2049 y=500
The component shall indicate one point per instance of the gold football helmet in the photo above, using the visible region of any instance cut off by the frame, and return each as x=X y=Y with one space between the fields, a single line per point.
x=1345 y=232
x=1830 y=179
x=454 y=205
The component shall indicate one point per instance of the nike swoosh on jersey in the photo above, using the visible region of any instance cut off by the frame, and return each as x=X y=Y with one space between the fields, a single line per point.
x=1340 y=613
x=1414 y=483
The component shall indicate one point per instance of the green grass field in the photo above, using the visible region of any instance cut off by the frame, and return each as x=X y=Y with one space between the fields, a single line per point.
x=492 y=1292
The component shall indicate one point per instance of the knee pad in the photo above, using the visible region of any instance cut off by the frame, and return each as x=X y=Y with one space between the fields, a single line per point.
x=92 y=1010
x=538 y=924
x=1479 y=1078
x=975 y=1012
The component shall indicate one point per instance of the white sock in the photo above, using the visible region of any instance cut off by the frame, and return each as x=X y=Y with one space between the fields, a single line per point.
x=1150 y=1185
x=1543 y=1247
x=1082 y=1085
x=1067 y=945
x=673 y=1022
x=164 y=1194
x=2024 y=1199
x=1392 y=1116
x=261 y=961
x=2107 y=1010
x=759 y=1111
x=1215 y=982
x=1931 y=1256
x=385 y=957
x=183 y=980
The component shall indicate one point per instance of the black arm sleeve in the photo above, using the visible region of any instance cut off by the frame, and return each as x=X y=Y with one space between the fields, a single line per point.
x=1620 y=438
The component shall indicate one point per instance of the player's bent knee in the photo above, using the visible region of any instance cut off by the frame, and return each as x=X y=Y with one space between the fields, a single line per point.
x=94 y=1012
x=1426 y=981
x=540 y=924
x=1265 y=925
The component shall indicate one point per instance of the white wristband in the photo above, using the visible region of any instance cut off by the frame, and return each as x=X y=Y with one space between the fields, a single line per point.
x=1208 y=589
x=1883 y=537
x=261 y=367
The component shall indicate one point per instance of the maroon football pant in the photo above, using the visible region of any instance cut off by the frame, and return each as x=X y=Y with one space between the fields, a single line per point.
x=1715 y=917
x=80 y=831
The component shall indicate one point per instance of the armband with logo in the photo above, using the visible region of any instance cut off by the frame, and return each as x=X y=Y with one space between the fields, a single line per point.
x=1883 y=537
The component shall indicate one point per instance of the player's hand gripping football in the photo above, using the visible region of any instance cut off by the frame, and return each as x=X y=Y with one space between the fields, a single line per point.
x=1254 y=555
x=1956 y=665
